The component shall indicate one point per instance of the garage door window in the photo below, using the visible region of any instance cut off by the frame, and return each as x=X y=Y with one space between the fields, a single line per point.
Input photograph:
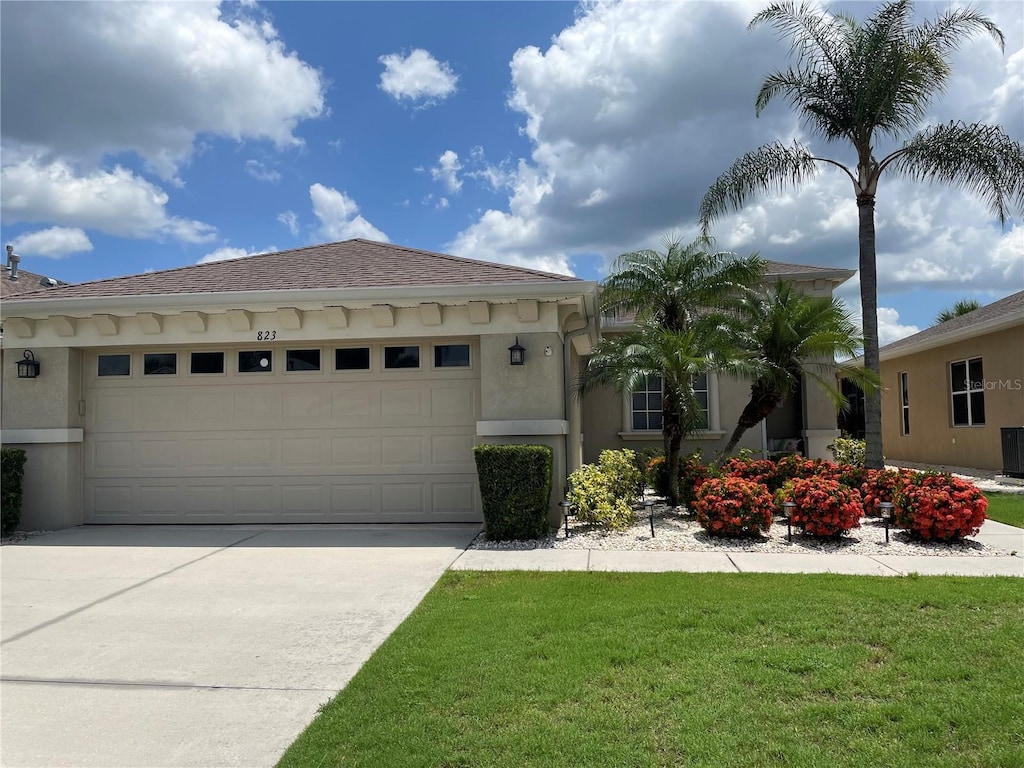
x=114 y=365
x=353 y=359
x=302 y=360
x=255 y=362
x=160 y=364
x=207 y=362
x=401 y=357
x=451 y=356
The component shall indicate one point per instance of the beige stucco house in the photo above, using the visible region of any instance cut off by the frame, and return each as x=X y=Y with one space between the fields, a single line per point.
x=344 y=382
x=949 y=389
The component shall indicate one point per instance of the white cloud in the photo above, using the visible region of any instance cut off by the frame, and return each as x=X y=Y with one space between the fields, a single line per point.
x=339 y=216
x=447 y=171
x=417 y=77
x=291 y=220
x=116 y=202
x=442 y=203
x=53 y=243
x=630 y=120
x=148 y=78
x=889 y=327
x=228 y=253
x=261 y=171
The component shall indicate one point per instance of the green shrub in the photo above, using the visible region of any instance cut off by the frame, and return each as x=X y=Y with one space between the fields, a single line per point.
x=692 y=475
x=846 y=450
x=12 y=470
x=604 y=493
x=515 y=487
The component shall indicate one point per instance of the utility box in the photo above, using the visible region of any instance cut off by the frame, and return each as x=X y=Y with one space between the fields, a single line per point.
x=1013 y=451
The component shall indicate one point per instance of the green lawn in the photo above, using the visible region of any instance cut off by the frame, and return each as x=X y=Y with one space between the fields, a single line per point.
x=591 y=669
x=1006 y=508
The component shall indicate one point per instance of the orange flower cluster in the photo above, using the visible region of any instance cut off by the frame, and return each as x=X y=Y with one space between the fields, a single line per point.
x=824 y=507
x=732 y=506
x=881 y=485
x=939 y=507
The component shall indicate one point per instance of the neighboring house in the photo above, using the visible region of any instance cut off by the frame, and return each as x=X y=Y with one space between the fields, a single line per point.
x=344 y=382
x=949 y=389
x=806 y=422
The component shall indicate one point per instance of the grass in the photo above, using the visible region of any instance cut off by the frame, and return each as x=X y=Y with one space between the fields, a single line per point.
x=592 y=669
x=1006 y=508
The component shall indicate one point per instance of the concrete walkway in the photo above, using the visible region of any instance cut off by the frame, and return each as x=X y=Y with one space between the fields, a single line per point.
x=196 y=645
x=1003 y=537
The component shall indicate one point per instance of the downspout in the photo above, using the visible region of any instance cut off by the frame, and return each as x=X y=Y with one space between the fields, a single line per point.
x=568 y=388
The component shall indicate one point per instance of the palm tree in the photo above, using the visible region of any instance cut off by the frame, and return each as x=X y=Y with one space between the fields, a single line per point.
x=855 y=83
x=680 y=301
x=962 y=307
x=678 y=357
x=791 y=335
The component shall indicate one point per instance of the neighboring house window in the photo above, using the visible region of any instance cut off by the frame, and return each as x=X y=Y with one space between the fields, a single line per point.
x=646 y=403
x=967 y=390
x=904 y=405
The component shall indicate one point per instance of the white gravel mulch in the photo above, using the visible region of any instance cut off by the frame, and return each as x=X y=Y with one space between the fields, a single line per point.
x=678 y=531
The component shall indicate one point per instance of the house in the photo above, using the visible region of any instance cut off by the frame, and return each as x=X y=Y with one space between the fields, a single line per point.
x=344 y=382
x=949 y=389
x=805 y=422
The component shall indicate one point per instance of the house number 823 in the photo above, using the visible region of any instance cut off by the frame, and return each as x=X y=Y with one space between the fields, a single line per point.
x=266 y=335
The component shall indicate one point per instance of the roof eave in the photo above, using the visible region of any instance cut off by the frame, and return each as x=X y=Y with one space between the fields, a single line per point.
x=309 y=298
x=1003 y=322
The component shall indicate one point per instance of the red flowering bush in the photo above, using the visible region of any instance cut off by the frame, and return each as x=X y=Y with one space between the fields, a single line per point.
x=692 y=475
x=747 y=468
x=732 y=506
x=939 y=507
x=881 y=485
x=824 y=507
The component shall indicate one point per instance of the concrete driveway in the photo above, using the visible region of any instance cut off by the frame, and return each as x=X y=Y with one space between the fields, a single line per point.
x=197 y=645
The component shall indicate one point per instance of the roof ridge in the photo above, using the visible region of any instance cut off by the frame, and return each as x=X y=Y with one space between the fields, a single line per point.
x=462 y=259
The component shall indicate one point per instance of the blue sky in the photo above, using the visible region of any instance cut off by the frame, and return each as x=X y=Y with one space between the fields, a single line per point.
x=545 y=134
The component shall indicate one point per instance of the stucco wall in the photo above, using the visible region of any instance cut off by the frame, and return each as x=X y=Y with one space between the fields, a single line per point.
x=42 y=417
x=933 y=439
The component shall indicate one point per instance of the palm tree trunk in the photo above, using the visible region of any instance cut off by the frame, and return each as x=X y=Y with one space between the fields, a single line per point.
x=869 y=312
x=672 y=431
x=762 y=402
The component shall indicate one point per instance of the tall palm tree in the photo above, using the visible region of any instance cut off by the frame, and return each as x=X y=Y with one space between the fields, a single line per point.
x=791 y=335
x=962 y=307
x=854 y=83
x=683 y=303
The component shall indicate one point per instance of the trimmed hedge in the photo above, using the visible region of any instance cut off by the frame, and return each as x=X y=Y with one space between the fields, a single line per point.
x=515 y=486
x=12 y=470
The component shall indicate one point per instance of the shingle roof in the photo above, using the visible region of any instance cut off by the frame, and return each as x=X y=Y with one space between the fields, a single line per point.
x=27 y=282
x=348 y=264
x=1011 y=305
x=782 y=268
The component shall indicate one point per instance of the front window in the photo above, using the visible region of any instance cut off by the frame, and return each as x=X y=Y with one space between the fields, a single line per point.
x=646 y=403
x=967 y=391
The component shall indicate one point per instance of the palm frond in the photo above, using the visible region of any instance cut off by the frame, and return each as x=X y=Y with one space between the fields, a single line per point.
x=774 y=166
x=980 y=159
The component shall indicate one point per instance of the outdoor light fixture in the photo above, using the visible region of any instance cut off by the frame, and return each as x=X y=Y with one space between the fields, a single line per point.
x=516 y=354
x=886 y=508
x=566 y=506
x=787 y=510
x=649 y=508
x=28 y=368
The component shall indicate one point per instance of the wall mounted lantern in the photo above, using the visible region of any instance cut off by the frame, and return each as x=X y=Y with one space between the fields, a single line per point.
x=28 y=368
x=516 y=354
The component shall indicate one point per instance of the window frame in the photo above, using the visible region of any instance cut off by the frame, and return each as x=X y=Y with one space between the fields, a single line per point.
x=238 y=361
x=320 y=360
x=146 y=373
x=904 y=404
x=384 y=357
x=131 y=366
x=969 y=390
x=223 y=362
x=713 y=431
x=369 y=359
x=435 y=346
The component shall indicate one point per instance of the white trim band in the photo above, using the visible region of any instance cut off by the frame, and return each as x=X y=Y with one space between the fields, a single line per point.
x=29 y=436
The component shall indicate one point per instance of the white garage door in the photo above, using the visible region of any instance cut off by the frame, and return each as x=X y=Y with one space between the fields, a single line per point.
x=263 y=434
